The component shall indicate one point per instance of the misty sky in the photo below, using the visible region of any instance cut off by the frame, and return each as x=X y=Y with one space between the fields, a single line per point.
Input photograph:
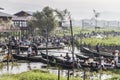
x=109 y=9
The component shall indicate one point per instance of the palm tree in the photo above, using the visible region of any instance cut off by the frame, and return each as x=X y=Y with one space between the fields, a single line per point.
x=61 y=15
x=96 y=15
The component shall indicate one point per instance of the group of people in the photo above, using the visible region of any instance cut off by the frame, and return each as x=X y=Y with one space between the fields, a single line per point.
x=113 y=62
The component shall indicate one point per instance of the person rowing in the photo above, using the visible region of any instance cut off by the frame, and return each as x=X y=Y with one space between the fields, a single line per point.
x=67 y=57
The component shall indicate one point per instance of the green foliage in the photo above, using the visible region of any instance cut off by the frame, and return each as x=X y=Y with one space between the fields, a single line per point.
x=109 y=41
x=34 y=75
x=115 y=77
x=116 y=71
x=44 y=20
x=8 y=77
x=62 y=14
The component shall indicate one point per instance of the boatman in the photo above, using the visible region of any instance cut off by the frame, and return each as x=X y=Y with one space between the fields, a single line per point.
x=97 y=47
x=67 y=56
x=102 y=66
x=29 y=51
x=35 y=49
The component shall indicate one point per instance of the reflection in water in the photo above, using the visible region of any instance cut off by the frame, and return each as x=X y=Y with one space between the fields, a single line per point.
x=23 y=67
x=29 y=66
x=13 y=68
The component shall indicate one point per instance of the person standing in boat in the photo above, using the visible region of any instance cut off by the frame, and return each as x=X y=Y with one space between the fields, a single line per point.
x=78 y=64
x=18 y=51
x=35 y=48
x=98 y=47
x=29 y=52
x=102 y=66
x=116 y=54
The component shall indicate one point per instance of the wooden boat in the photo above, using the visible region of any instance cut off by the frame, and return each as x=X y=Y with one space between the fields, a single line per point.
x=32 y=58
x=68 y=64
x=94 y=53
x=40 y=59
x=39 y=47
x=82 y=57
x=45 y=56
x=60 y=61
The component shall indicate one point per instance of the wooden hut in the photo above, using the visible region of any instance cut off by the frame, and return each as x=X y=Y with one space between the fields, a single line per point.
x=20 y=19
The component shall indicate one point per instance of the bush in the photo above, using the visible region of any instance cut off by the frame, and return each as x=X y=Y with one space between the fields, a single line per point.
x=34 y=75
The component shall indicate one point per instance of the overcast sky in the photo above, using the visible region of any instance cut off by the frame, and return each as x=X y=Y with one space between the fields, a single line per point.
x=109 y=9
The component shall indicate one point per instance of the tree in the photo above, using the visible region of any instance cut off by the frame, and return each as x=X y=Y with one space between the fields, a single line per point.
x=62 y=15
x=96 y=15
x=44 y=21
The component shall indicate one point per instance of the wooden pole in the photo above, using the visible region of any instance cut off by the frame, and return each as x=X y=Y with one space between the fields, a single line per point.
x=58 y=73
x=68 y=74
x=8 y=53
x=84 y=74
x=81 y=33
x=72 y=39
x=47 y=45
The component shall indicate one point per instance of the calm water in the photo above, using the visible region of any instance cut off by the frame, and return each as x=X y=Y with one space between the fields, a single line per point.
x=23 y=67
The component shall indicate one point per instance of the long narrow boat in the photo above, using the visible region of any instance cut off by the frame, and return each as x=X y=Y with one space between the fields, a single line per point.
x=82 y=57
x=60 y=61
x=39 y=47
x=32 y=58
x=66 y=63
x=94 y=53
x=42 y=60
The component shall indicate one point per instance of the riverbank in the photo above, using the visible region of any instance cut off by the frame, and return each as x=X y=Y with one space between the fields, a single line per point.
x=37 y=74
x=45 y=74
x=34 y=75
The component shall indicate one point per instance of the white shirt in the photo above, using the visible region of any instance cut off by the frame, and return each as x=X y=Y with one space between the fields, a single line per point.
x=29 y=50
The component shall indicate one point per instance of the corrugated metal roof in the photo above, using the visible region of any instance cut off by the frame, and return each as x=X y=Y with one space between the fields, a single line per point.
x=5 y=15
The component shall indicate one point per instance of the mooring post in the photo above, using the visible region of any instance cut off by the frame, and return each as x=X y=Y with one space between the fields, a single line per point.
x=84 y=74
x=8 y=53
x=68 y=74
x=58 y=73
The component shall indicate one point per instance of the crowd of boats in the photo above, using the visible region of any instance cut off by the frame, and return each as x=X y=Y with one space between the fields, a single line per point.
x=92 y=60
x=85 y=58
